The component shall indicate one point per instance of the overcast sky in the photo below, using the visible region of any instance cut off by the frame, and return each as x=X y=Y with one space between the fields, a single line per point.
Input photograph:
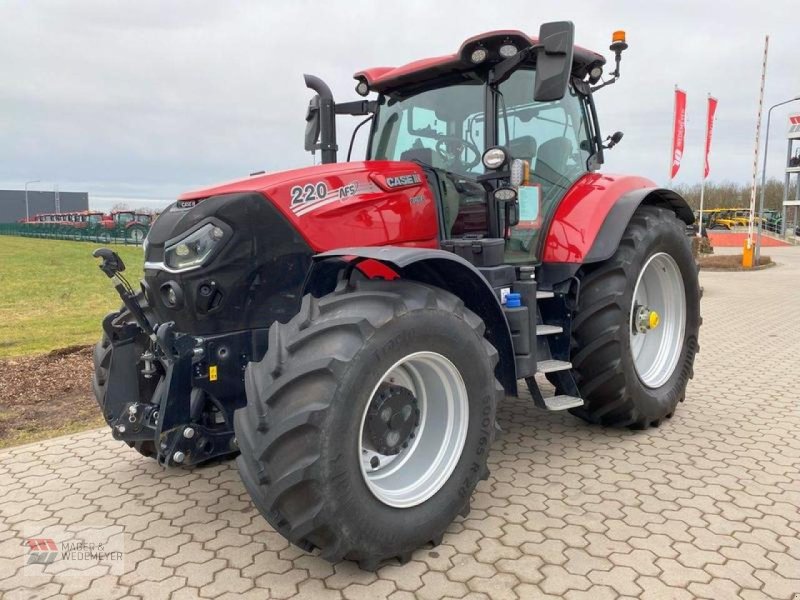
x=145 y=99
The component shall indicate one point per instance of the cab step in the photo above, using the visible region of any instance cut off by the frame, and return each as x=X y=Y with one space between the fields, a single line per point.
x=543 y=294
x=549 y=366
x=548 y=329
x=562 y=402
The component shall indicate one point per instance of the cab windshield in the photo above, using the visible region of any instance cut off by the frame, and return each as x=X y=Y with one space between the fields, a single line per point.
x=445 y=129
x=442 y=128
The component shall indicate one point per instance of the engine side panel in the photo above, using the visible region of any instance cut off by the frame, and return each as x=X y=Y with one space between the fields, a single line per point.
x=370 y=203
x=582 y=212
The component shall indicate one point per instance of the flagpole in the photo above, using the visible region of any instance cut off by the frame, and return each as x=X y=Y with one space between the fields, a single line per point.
x=703 y=179
x=709 y=129
x=672 y=134
x=757 y=146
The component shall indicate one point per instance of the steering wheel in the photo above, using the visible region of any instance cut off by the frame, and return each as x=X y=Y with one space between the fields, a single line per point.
x=450 y=147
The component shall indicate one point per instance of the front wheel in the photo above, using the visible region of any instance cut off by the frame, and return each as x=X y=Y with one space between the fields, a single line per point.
x=635 y=329
x=102 y=356
x=369 y=420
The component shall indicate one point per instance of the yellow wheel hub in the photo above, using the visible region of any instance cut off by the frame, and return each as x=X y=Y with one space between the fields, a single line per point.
x=645 y=320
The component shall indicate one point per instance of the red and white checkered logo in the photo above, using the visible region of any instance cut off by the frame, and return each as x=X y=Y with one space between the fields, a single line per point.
x=41 y=551
x=794 y=125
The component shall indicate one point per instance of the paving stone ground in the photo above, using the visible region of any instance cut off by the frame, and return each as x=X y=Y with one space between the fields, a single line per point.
x=704 y=507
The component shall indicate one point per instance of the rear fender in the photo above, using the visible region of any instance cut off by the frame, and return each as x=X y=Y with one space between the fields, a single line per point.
x=608 y=238
x=442 y=269
x=588 y=223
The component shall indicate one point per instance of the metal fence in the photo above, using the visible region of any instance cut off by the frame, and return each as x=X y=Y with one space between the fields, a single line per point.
x=62 y=231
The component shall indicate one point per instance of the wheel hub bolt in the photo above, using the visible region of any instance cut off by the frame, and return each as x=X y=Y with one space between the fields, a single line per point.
x=374 y=462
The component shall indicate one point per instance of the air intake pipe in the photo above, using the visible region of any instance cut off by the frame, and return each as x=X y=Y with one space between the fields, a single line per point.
x=321 y=120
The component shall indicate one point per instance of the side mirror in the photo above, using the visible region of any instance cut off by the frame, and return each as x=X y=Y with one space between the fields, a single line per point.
x=614 y=139
x=312 y=124
x=554 y=60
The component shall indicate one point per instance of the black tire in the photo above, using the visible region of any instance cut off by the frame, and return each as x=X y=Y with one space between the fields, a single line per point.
x=602 y=361
x=298 y=434
x=102 y=359
x=136 y=234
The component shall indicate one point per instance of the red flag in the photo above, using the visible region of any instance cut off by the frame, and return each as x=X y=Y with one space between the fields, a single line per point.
x=712 y=108
x=679 y=132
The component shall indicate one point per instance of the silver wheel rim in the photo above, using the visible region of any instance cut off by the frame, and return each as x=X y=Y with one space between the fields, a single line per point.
x=421 y=468
x=656 y=351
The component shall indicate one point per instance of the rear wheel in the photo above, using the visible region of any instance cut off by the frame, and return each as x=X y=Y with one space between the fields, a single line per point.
x=136 y=234
x=369 y=420
x=635 y=329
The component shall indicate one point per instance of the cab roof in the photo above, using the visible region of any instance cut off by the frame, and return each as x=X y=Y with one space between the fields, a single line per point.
x=419 y=72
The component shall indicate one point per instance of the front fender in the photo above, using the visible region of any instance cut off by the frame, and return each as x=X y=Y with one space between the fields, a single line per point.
x=589 y=222
x=438 y=268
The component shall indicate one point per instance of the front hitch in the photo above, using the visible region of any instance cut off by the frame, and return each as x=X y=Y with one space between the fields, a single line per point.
x=164 y=400
x=113 y=266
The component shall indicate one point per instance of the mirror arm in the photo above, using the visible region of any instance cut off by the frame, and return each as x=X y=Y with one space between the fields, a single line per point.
x=614 y=79
x=503 y=70
x=494 y=176
x=357 y=107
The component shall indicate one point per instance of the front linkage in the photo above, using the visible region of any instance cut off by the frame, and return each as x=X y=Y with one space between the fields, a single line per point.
x=174 y=407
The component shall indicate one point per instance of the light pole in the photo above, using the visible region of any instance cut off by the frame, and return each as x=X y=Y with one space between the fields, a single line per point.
x=27 y=212
x=764 y=179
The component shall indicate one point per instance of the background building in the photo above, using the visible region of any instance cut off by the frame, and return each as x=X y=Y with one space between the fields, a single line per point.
x=12 y=203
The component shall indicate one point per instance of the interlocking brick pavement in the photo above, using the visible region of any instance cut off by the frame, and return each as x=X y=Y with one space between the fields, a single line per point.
x=704 y=507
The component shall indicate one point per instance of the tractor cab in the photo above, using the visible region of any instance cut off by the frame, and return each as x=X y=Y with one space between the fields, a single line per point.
x=95 y=219
x=503 y=103
x=123 y=217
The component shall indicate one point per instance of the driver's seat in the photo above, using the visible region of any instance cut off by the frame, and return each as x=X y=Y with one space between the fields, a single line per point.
x=523 y=147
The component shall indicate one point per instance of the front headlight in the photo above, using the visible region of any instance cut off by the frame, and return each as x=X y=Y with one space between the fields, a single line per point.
x=194 y=249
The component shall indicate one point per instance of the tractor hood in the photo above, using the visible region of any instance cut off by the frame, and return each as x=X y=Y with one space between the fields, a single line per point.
x=266 y=181
x=266 y=230
x=374 y=202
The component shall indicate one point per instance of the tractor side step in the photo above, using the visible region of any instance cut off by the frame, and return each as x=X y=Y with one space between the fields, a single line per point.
x=562 y=402
x=549 y=366
x=548 y=329
x=542 y=294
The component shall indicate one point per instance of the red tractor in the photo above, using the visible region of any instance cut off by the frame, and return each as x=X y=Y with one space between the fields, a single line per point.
x=130 y=225
x=349 y=328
